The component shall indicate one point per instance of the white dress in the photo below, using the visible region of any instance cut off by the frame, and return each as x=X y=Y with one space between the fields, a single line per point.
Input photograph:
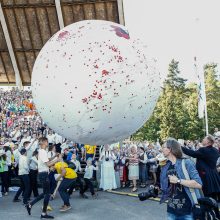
x=108 y=181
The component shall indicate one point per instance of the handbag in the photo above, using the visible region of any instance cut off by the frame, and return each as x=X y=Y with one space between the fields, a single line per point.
x=204 y=208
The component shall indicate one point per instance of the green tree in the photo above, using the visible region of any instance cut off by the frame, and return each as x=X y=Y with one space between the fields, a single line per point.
x=171 y=110
x=149 y=131
x=194 y=126
x=176 y=112
x=212 y=96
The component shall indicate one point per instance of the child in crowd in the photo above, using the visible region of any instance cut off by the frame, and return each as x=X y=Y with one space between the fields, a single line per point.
x=88 y=177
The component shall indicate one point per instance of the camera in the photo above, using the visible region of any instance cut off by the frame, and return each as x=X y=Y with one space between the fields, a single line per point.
x=107 y=159
x=152 y=191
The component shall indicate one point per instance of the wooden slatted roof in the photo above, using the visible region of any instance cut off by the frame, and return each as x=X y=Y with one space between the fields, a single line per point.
x=31 y=23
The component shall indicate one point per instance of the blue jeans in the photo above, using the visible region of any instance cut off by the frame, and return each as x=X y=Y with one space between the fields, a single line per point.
x=64 y=186
x=45 y=182
x=53 y=182
x=24 y=188
x=175 y=217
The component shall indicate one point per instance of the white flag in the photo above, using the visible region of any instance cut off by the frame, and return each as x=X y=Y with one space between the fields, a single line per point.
x=201 y=91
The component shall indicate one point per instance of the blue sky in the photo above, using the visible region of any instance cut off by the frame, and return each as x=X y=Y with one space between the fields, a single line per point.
x=177 y=29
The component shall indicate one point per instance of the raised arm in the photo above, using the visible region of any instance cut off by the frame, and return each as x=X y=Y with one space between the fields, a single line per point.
x=192 y=153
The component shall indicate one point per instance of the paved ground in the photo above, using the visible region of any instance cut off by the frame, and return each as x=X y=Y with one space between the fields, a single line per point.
x=108 y=206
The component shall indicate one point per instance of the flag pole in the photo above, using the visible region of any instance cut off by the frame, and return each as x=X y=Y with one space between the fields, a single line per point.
x=205 y=103
x=206 y=113
x=202 y=105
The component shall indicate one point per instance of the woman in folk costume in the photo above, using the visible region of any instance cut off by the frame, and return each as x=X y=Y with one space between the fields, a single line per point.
x=133 y=167
x=107 y=158
x=123 y=163
x=117 y=166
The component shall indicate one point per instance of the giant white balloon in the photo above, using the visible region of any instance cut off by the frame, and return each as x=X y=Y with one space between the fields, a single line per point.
x=93 y=84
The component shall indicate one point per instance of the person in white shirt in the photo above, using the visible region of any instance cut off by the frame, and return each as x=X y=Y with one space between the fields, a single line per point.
x=33 y=174
x=77 y=163
x=23 y=173
x=43 y=171
x=51 y=152
x=25 y=138
x=16 y=154
x=79 y=182
x=58 y=139
x=16 y=134
x=34 y=144
x=107 y=181
x=65 y=145
x=216 y=133
x=88 y=177
x=10 y=143
x=51 y=137
x=8 y=154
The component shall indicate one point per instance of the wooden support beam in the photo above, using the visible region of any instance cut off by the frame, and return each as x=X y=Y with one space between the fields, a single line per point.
x=59 y=13
x=121 y=12
x=10 y=48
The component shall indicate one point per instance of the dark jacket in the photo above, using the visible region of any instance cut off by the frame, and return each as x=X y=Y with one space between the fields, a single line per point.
x=206 y=166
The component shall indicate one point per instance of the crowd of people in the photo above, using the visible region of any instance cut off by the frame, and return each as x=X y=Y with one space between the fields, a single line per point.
x=32 y=152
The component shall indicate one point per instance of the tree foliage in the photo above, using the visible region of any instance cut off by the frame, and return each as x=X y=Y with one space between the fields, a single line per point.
x=176 y=112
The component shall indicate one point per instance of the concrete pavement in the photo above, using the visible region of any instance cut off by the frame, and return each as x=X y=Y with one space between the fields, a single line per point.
x=108 y=206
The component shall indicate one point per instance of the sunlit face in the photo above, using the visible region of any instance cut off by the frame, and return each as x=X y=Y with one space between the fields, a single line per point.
x=133 y=149
x=206 y=142
x=165 y=150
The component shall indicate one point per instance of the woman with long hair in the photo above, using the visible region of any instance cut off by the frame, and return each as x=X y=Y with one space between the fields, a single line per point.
x=175 y=185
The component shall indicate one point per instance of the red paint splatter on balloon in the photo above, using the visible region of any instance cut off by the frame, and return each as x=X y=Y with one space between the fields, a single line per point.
x=63 y=35
x=121 y=32
x=100 y=96
x=96 y=66
x=120 y=59
x=105 y=72
x=84 y=100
